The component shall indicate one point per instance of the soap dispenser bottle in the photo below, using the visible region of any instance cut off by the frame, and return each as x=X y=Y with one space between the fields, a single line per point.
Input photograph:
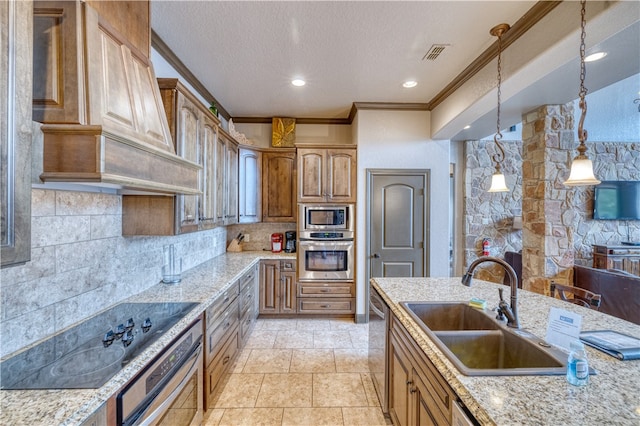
x=577 y=365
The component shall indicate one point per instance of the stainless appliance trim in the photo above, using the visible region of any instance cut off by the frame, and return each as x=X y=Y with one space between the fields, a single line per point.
x=378 y=355
x=306 y=228
x=325 y=245
x=139 y=405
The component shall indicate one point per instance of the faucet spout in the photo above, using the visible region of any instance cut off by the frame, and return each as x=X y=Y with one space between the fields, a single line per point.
x=511 y=312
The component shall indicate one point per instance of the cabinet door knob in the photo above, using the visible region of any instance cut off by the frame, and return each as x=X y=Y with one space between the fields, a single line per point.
x=413 y=390
x=409 y=382
x=376 y=255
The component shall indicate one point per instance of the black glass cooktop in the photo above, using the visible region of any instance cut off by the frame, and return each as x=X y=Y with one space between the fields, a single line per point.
x=88 y=355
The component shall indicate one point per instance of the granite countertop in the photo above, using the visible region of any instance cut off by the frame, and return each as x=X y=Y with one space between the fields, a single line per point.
x=611 y=397
x=67 y=407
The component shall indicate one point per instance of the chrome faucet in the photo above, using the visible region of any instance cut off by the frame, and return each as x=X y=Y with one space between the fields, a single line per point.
x=511 y=312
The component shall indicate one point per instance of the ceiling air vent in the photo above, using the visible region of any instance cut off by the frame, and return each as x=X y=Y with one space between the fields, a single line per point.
x=434 y=51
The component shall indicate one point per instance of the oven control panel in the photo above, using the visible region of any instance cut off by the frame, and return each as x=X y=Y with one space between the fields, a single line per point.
x=168 y=363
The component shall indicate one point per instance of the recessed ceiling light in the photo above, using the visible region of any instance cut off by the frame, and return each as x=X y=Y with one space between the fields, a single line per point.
x=409 y=84
x=595 y=56
x=298 y=82
x=468 y=126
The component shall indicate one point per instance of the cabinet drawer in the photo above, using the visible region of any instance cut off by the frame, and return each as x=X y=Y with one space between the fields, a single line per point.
x=220 y=365
x=325 y=290
x=326 y=306
x=288 y=265
x=247 y=295
x=221 y=328
x=220 y=305
x=247 y=280
x=247 y=322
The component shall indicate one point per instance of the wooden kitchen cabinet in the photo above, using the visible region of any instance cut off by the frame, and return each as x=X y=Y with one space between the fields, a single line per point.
x=95 y=91
x=326 y=297
x=418 y=394
x=625 y=258
x=277 y=287
x=326 y=175
x=15 y=129
x=249 y=186
x=279 y=185
x=226 y=186
x=248 y=306
x=194 y=132
x=229 y=321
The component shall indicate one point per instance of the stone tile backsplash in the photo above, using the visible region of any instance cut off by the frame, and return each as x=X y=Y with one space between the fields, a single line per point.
x=80 y=264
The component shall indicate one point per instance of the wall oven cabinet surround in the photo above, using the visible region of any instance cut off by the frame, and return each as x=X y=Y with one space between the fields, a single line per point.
x=97 y=97
x=15 y=129
x=279 y=185
x=326 y=174
x=278 y=287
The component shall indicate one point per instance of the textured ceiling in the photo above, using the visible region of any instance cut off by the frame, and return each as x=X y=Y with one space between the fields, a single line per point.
x=246 y=53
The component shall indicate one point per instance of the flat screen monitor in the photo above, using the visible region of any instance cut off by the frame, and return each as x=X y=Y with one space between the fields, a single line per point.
x=617 y=200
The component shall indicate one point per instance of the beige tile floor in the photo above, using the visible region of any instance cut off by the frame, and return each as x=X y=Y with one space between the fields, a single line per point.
x=300 y=372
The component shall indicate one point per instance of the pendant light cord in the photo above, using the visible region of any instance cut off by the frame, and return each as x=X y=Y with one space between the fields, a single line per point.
x=498 y=157
x=582 y=133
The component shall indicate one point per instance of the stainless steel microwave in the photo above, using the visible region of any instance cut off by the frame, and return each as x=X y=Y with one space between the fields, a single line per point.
x=323 y=218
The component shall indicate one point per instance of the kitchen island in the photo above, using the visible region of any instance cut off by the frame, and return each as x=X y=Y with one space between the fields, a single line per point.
x=201 y=284
x=612 y=396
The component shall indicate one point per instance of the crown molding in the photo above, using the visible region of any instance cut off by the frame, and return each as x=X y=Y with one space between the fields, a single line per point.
x=173 y=60
x=521 y=26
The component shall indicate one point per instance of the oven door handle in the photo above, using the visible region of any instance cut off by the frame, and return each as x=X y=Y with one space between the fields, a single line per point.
x=195 y=356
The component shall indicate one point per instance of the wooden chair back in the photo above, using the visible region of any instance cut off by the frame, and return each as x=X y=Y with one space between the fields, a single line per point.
x=579 y=295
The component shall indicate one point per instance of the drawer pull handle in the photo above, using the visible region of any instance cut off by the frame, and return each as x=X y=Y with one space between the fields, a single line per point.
x=226 y=360
x=325 y=306
x=324 y=290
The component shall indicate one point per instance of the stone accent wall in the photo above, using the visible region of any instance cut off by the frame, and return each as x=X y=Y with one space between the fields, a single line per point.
x=490 y=215
x=80 y=264
x=549 y=214
x=611 y=161
x=558 y=226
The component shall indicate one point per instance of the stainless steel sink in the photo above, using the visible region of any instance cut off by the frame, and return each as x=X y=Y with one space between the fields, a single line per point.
x=450 y=316
x=480 y=346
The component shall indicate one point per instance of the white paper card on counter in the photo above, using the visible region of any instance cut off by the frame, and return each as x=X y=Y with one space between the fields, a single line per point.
x=564 y=327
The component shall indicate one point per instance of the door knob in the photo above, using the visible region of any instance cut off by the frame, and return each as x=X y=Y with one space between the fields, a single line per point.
x=376 y=256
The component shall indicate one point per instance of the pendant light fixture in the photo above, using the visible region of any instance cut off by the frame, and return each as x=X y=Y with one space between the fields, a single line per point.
x=498 y=183
x=582 y=168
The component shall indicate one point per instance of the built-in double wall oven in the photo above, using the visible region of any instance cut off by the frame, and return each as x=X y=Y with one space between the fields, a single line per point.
x=325 y=242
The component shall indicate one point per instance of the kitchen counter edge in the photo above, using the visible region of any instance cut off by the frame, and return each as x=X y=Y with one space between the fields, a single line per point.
x=71 y=407
x=612 y=395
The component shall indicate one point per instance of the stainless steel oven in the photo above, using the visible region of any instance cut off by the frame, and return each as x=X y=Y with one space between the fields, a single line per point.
x=335 y=218
x=169 y=391
x=325 y=259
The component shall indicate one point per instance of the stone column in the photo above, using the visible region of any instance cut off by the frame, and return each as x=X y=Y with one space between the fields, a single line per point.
x=547 y=213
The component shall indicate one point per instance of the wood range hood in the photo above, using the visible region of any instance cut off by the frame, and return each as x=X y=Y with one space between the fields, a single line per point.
x=96 y=94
